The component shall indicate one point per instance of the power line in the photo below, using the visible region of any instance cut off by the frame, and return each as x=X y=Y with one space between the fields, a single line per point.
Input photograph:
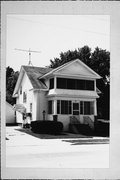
x=64 y=27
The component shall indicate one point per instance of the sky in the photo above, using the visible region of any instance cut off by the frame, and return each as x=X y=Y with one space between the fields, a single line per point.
x=52 y=34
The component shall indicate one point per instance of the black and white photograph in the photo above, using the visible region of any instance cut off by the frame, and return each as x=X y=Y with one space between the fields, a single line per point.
x=57 y=91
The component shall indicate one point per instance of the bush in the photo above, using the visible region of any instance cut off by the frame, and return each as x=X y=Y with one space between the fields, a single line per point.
x=46 y=127
x=102 y=128
x=80 y=129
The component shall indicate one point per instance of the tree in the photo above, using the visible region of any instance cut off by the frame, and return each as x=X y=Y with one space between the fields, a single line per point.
x=82 y=53
x=100 y=63
x=11 y=79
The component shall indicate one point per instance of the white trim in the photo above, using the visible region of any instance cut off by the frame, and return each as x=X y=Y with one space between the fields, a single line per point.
x=79 y=76
x=55 y=107
x=72 y=96
x=39 y=89
x=66 y=64
x=20 y=77
x=55 y=82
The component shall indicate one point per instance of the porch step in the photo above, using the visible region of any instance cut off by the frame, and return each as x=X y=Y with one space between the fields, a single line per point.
x=88 y=120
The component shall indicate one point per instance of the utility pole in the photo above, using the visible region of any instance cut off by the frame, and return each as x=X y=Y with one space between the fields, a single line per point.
x=29 y=53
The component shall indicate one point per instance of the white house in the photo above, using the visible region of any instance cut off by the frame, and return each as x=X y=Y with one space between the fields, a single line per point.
x=68 y=91
x=10 y=114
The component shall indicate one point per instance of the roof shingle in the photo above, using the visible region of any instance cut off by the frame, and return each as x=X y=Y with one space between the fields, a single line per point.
x=34 y=73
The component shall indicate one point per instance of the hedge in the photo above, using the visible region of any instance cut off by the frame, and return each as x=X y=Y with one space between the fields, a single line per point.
x=80 y=129
x=46 y=127
x=102 y=128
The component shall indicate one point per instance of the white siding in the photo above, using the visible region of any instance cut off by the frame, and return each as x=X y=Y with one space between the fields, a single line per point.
x=76 y=69
x=31 y=98
x=41 y=104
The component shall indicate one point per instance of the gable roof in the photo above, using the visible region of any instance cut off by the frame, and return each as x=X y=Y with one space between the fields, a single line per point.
x=33 y=73
x=62 y=67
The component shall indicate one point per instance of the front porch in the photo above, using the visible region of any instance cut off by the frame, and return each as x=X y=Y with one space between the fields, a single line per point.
x=83 y=110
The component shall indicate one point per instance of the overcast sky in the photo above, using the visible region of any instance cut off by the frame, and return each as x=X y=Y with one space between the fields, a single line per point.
x=52 y=34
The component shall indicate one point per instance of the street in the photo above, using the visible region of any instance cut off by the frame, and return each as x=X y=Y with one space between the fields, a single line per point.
x=25 y=150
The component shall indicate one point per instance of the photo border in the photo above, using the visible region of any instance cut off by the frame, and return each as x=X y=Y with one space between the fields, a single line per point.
x=68 y=8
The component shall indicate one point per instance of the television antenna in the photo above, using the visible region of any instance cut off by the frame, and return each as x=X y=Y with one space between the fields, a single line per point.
x=29 y=53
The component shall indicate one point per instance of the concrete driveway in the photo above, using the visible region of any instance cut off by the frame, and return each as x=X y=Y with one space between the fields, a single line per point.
x=26 y=150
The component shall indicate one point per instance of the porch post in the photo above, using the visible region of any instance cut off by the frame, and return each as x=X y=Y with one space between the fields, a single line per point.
x=55 y=82
x=95 y=85
x=95 y=108
x=55 y=107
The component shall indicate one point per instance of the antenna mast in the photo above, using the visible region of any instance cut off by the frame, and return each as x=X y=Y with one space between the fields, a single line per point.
x=29 y=53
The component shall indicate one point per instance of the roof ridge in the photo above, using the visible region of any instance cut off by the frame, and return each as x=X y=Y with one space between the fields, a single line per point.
x=36 y=67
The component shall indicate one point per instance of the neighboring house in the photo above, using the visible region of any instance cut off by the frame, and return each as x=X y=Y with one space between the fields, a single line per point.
x=10 y=114
x=67 y=91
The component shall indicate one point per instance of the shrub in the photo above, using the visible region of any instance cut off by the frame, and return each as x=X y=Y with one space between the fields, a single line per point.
x=102 y=128
x=46 y=127
x=80 y=129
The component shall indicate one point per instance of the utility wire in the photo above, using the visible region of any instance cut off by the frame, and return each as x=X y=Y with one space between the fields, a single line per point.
x=63 y=27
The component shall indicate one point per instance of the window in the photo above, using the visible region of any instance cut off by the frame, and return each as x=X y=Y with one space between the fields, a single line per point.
x=89 y=85
x=75 y=84
x=58 y=107
x=61 y=83
x=24 y=97
x=80 y=84
x=71 y=83
x=63 y=107
x=50 y=107
x=87 y=107
x=91 y=107
x=31 y=107
x=81 y=107
x=51 y=83
x=21 y=90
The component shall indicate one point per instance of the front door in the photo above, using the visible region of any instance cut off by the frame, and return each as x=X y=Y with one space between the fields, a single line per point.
x=76 y=108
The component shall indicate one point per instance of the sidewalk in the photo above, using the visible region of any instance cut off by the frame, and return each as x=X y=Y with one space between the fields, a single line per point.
x=27 y=149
